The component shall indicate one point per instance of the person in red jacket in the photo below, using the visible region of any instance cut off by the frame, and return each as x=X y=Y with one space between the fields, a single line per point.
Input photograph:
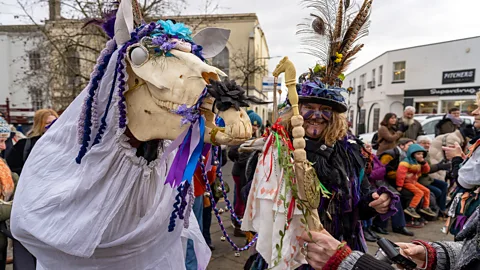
x=408 y=172
x=199 y=188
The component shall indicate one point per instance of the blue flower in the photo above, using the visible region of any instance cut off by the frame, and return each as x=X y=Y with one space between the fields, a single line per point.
x=178 y=30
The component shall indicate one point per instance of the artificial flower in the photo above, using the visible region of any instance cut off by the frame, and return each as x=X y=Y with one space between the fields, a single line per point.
x=227 y=94
x=189 y=115
x=339 y=57
x=178 y=30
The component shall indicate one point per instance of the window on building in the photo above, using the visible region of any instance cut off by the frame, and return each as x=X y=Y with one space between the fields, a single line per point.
x=380 y=75
x=361 y=122
x=376 y=119
x=354 y=86
x=72 y=67
x=222 y=61
x=36 y=97
x=362 y=116
x=427 y=107
x=373 y=77
x=35 y=61
x=466 y=106
x=361 y=88
x=399 y=71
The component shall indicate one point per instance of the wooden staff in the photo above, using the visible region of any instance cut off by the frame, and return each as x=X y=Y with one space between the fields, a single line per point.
x=306 y=177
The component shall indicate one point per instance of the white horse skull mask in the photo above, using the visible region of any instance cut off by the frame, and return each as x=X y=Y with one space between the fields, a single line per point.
x=166 y=72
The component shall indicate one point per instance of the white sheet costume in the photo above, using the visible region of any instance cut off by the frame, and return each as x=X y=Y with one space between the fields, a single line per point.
x=109 y=212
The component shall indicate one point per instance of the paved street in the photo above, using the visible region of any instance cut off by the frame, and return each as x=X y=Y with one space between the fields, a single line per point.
x=223 y=257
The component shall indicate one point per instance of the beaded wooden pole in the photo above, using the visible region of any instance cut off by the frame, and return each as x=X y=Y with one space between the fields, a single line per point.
x=306 y=178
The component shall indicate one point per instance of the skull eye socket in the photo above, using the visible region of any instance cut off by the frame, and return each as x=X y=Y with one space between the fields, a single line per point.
x=138 y=55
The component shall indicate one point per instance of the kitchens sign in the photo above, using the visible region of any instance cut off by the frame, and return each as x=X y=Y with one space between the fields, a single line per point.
x=456 y=91
x=458 y=76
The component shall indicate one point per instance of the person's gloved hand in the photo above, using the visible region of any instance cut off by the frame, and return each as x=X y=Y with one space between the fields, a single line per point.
x=402 y=127
x=444 y=165
x=467 y=131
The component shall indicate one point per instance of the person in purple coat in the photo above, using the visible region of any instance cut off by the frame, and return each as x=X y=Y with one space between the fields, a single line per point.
x=377 y=179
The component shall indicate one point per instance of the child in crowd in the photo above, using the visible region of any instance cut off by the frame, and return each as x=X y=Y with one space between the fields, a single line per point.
x=408 y=172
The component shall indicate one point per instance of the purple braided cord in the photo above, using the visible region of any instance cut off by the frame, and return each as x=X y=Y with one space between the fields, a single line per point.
x=222 y=183
x=109 y=48
x=183 y=204
x=219 y=219
x=136 y=36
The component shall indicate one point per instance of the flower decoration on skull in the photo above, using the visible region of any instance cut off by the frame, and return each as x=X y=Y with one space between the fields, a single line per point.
x=227 y=94
x=168 y=35
x=177 y=30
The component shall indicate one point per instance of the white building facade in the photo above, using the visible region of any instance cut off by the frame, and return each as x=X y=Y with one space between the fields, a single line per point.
x=433 y=78
x=19 y=59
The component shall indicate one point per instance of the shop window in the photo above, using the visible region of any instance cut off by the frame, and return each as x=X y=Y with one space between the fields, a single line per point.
x=466 y=106
x=399 y=71
x=380 y=75
x=376 y=119
x=426 y=107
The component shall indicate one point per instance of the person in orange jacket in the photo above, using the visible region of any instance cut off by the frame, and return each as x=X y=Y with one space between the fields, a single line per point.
x=408 y=172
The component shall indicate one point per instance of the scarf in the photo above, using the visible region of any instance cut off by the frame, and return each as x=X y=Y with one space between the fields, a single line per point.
x=457 y=121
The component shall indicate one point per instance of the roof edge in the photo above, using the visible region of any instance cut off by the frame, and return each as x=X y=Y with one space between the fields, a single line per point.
x=412 y=47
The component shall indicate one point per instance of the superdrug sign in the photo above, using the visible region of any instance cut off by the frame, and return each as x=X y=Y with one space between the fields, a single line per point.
x=455 y=91
x=458 y=76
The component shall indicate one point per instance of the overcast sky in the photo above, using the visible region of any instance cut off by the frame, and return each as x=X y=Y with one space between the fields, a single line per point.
x=395 y=23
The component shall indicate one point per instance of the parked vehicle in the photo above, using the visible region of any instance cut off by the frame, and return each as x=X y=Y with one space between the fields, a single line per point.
x=428 y=123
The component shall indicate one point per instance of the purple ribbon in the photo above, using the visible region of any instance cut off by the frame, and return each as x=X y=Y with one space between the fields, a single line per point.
x=175 y=174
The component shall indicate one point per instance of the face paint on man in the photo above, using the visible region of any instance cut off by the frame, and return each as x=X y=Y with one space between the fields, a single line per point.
x=316 y=118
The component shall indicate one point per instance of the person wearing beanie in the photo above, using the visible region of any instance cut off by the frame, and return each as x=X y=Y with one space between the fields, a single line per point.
x=256 y=121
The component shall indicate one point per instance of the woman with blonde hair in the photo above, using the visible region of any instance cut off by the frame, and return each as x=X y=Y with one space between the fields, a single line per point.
x=41 y=121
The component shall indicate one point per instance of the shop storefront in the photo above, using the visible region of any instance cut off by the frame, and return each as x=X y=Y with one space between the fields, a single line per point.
x=440 y=100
